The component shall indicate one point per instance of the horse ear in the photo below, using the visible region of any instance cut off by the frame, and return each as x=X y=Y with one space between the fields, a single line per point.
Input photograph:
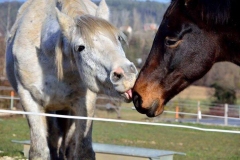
x=103 y=10
x=66 y=23
x=186 y=2
x=191 y=3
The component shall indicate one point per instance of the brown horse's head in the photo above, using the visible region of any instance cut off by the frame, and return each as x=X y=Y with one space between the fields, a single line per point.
x=193 y=35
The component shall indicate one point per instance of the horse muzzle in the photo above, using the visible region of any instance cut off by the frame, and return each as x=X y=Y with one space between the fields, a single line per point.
x=123 y=79
x=154 y=108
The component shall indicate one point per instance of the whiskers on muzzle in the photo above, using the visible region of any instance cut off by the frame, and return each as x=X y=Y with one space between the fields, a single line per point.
x=123 y=79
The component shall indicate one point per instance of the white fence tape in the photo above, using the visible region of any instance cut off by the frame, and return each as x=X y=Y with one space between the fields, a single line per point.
x=120 y=121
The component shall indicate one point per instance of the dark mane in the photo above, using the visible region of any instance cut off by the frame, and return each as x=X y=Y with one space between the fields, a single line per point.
x=214 y=12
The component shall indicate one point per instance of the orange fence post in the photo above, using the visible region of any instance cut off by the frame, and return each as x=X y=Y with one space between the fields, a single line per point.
x=12 y=93
x=177 y=113
x=12 y=100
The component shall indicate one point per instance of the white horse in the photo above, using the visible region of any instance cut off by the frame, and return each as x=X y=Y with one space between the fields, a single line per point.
x=60 y=55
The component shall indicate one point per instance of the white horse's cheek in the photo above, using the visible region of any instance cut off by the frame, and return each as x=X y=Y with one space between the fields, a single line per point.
x=95 y=67
x=87 y=70
x=89 y=62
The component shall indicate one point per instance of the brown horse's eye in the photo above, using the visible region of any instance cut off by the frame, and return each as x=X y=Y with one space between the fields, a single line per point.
x=172 y=42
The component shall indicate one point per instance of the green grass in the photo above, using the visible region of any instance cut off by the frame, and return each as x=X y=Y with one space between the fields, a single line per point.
x=198 y=145
x=12 y=128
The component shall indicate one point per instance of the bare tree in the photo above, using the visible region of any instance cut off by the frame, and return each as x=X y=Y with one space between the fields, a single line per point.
x=8 y=21
x=5 y=20
x=136 y=20
x=120 y=18
x=5 y=26
x=124 y=16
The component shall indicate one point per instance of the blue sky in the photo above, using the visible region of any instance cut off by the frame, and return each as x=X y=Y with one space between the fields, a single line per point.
x=163 y=1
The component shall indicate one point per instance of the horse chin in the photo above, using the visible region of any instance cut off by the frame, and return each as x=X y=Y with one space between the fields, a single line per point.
x=159 y=111
x=155 y=109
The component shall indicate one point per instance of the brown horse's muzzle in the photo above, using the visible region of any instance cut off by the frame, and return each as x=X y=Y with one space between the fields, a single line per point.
x=149 y=103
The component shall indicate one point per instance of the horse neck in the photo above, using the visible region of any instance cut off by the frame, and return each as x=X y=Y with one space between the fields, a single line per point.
x=230 y=46
x=75 y=8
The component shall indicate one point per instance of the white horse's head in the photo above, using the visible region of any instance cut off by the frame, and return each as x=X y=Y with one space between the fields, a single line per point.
x=98 y=54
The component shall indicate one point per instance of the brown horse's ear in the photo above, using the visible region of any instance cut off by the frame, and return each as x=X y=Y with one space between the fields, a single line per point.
x=186 y=2
x=66 y=23
x=191 y=3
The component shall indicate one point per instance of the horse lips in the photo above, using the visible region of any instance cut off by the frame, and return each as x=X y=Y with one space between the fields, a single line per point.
x=128 y=94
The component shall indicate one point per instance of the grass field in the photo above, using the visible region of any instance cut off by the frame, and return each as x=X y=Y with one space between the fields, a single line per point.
x=198 y=145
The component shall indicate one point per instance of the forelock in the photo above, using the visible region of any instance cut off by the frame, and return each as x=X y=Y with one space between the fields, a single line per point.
x=88 y=26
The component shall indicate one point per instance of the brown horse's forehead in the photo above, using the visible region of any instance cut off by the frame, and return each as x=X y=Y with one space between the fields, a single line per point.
x=171 y=8
x=173 y=21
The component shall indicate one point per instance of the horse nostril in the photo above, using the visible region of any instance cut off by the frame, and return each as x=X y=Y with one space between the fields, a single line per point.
x=137 y=100
x=117 y=75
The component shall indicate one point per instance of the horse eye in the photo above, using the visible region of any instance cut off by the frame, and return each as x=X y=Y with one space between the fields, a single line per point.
x=171 y=42
x=120 y=38
x=79 y=48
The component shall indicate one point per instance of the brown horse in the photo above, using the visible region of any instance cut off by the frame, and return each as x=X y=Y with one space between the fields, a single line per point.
x=193 y=35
